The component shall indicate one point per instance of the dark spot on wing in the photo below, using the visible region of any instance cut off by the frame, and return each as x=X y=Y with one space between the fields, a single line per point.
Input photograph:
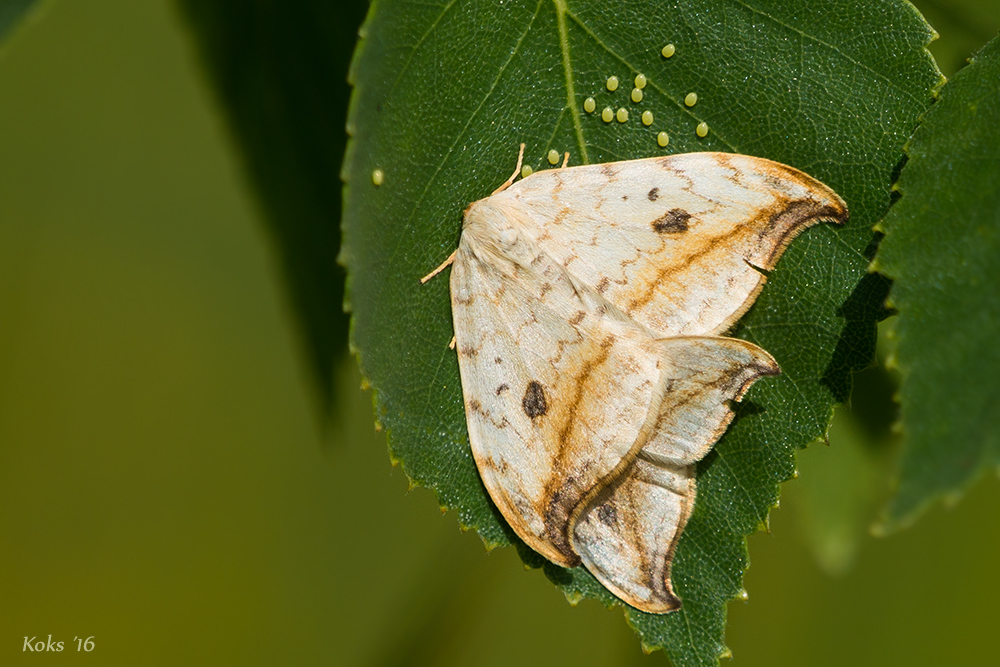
x=502 y=388
x=624 y=197
x=576 y=319
x=672 y=222
x=534 y=403
x=498 y=360
x=603 y=285
x=606 y=514
x=654 y=194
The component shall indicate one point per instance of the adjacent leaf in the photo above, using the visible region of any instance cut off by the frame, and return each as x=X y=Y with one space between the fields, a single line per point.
x=279 y=69
x=446 y=92
x=942 y=247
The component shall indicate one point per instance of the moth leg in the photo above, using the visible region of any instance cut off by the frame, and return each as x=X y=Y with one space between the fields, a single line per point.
x=517 y=170
x=565 y=160
x=444 y=265
x=450 y=260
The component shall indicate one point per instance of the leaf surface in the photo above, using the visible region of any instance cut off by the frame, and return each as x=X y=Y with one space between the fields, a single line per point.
x=942 y=248
x=445 y=92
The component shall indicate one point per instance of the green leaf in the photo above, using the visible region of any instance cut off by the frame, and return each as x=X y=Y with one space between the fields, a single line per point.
x=942 y=248
x=446 y=92
x=279 y=71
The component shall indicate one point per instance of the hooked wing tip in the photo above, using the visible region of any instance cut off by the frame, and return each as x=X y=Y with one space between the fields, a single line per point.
x=785 y=223
x=762 y=366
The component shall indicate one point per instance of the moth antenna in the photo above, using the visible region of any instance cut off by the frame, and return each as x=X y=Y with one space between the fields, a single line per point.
x=444 y=265
x=517 y=170
x=565 y=160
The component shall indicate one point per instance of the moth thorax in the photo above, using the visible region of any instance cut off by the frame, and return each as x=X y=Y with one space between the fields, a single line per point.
x=490 y=225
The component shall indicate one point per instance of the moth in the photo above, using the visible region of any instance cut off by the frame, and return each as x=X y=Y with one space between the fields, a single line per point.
x=588 y=304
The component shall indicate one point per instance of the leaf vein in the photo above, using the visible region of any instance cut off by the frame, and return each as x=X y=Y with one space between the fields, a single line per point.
x=400 y=238
x=817 y=40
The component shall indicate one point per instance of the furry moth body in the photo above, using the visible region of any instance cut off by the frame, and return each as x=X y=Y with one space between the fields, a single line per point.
x=587 y=305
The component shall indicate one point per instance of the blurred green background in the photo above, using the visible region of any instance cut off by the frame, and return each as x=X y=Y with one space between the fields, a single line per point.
x=169 y=486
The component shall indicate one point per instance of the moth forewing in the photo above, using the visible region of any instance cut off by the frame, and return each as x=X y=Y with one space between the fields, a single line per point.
x=558 y=387
x=672 y=241
x=586 y=302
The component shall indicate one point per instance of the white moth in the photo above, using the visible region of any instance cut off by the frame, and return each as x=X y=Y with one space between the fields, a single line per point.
x=587 y=304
